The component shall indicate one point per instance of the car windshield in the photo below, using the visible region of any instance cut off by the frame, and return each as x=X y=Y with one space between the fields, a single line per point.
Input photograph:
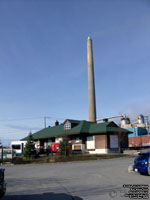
x=141 y=157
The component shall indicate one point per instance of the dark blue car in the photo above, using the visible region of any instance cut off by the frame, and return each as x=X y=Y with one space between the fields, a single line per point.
x=142 y=163
x=2 y=183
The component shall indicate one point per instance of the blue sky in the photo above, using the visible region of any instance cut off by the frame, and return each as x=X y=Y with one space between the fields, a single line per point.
x=43 y=63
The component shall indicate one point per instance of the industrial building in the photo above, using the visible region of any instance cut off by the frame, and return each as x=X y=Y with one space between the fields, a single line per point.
x=140 y=137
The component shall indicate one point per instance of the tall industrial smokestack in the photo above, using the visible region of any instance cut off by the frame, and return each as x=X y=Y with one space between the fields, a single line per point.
x=91 y=82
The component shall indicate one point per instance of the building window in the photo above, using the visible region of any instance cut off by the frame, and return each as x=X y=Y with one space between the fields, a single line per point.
x=90 y=142
x=113 y=141
x=67 y=126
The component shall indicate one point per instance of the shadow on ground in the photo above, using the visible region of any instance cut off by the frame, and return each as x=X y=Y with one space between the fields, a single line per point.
x=45 y=196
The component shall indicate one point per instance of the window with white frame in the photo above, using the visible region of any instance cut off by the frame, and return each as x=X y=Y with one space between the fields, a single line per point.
x=67 y=126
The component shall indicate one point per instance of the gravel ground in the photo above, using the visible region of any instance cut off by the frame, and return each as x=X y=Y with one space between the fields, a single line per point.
x=87 y=180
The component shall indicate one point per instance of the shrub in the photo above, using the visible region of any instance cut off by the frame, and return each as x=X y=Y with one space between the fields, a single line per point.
x=64 y=148
x=29 y=151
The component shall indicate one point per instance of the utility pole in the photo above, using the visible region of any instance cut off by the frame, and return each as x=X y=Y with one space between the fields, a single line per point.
x=2 y=154
x=1 y=146
x=147 y=123
x=45 y=122
x=45 y=118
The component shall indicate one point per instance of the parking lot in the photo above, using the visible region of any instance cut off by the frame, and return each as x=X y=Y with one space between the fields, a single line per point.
x=87 y=180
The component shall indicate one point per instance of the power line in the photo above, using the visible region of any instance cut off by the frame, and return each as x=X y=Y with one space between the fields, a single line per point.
x=30 y=118
x=20 y=119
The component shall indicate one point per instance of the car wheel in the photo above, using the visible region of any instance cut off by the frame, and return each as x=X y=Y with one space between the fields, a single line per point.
x=148 y=170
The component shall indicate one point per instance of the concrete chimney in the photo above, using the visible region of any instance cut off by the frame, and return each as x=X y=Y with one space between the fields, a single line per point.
x=91 y=82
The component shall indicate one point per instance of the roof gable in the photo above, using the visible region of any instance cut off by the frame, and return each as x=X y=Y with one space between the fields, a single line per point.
x=112 y=124
x=72 y=121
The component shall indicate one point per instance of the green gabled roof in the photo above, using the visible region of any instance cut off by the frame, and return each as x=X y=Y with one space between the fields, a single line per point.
x=81 y=127
x=106 y=127
x=49 y=132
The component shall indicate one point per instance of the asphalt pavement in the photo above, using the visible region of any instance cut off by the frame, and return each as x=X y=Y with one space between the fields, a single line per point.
x=86 y=180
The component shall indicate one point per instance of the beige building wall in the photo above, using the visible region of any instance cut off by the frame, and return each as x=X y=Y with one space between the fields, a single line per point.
x=100 y=142
x=100 y=145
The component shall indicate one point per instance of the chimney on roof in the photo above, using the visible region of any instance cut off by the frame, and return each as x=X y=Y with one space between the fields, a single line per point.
x=57 y=123
x=91 y=82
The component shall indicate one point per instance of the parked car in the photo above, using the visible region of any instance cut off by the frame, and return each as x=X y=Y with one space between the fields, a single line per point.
x=2 y=183
x=142 y=163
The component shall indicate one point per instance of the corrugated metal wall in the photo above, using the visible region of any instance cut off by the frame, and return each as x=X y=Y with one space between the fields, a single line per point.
x=139 y=141
x=137 y=131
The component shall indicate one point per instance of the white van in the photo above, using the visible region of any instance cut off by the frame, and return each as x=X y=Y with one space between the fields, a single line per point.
x=18 y=147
